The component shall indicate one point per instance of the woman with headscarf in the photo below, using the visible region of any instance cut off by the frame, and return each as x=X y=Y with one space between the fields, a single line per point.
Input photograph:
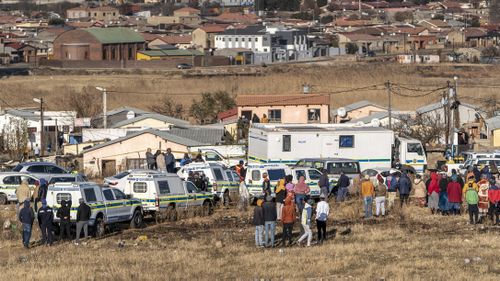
x=443 y=195
x=433 y=193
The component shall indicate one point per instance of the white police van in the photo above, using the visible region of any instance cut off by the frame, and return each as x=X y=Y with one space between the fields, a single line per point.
x=223 y=182
x=311 y=176
x=9 y=181
x=108 y=205
x=254 y=179
x=163 y=194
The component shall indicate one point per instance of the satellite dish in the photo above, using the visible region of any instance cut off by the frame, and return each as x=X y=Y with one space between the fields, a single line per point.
x=130 y=114
x=375 y=122
x=342 y=112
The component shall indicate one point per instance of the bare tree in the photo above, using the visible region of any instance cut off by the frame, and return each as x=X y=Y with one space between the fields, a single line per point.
x=167 y=106
x=429 y=129
x=86 y=103
x=15 y=137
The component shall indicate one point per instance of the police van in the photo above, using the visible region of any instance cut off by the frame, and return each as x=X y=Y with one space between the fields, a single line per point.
x=311 y=177
x=254 y=179
x=222 y=182
x=163 y=194
x=108 y=205
x=9 y=181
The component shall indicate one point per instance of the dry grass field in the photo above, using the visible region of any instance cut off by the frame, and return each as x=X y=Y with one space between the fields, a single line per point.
x=145 y=89
x=409 y=244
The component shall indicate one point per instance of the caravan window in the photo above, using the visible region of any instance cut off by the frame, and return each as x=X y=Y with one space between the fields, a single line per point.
x=346 y=141
x=276 y=174
x=415 y=148
x=287 y=143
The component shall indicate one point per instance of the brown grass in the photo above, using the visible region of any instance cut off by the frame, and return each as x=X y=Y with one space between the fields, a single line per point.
x=143 y=90
x=408 y=245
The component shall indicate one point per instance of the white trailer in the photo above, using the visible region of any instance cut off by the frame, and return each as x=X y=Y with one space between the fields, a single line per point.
x=371 y=146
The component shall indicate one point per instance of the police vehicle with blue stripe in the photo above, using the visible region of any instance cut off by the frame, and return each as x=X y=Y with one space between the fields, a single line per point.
x=108 y=205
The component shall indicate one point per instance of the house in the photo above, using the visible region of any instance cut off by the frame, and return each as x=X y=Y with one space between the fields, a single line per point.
x=381 y=118
x=128 y=152
x=101 y=13
x=493 y=129
x=34 y=51
x=404 y=59
x=434 y=24
x=468 y=113
x=98 y=44
x=254 y=38
x=168 y=54
x=179 y=41
x=365 y=42
x=203 y=37
x=291 y=109
x=236 y=3
x=230 y=17
x=187 y=18
x=186 y=12
x=356 y=110
x=151 y=120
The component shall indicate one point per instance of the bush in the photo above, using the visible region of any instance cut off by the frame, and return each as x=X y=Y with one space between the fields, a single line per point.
x=351 y=48
x=326 y=19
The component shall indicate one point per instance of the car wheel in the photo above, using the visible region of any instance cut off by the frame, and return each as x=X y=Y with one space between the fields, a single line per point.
x=100 y=227
x=137 y=219
x=3 y=199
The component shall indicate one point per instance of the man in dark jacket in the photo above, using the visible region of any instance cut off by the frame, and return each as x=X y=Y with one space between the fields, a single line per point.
x=258 y=221
x=64 y=215
x=266 y=185
x=170 y=161
x=82 y=219
x=343 y=187
x=404 y=187
x=26 y=217
x=324 y=183
x=42 y=190
x=270 y=216
x=150 y=159
x=45 y=219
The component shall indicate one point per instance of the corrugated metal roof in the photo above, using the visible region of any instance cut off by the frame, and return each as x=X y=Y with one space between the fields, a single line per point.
x=163 y=118
x=206 y=136
x=115 y=35
x=493 y=123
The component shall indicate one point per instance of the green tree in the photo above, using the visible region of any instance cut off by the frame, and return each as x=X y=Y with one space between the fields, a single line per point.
x=205 y=111
x=321 y=3
x=351 y=48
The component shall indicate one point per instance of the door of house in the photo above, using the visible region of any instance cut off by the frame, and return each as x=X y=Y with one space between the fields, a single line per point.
x=108 y=168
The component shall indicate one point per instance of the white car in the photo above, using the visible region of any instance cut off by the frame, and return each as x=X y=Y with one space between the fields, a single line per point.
x=9 y=181
x=120 y=180
x=254 y=179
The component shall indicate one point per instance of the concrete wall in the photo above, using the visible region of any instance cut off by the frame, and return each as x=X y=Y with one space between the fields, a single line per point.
x=155 y=64
x=496 y=138
x=290 y=114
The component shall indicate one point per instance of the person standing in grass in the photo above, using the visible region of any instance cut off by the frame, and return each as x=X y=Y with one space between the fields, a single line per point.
x=46 y=219
x=301 y=191
x=380 y=193
x=454 y=191
x=443 y=194
x=258 y=221
x=420 y=193
x=472 y=199
x=270 y=217
x=433 y=193
x=64 y=215
x=392 y=188
x=367 y=193
x=26 y=217
x=266 y=185
x=23 y=193
x=288 y=219
x=306 y=222
x=82 y=220
x=404 y=188
x=343 y=187
x=324 y=183
x=280 y=192
x=494 y=197
x=322 y=212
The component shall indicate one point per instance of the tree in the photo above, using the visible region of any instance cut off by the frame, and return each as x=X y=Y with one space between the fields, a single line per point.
x=403 y=16
x=490 y=53
x=168 y=107
x=351 y=48
x=321 y=3
x=86 y=102
x=15 y=137
x=205 y=111
x=429 y=129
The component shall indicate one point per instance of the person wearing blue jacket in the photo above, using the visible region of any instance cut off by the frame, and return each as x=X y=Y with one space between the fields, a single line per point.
x=26 y=217
x=404 y=187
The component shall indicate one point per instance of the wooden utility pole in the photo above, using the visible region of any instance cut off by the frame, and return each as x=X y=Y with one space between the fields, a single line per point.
x=389 y=108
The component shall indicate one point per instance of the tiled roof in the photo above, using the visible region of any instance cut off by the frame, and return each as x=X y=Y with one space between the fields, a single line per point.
x=187 y=10
x=281 y=100
x=176 y=39
x=214 y=28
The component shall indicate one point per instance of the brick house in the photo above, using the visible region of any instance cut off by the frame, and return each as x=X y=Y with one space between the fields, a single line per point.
x=98 y=44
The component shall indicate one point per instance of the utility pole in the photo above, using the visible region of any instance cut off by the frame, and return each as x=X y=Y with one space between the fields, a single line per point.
x=388 y=87
x=104 y=106
x=446 y=109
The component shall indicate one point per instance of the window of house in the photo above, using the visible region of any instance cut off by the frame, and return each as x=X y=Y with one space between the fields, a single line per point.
x=113 y=55
x=236 y=39
x=265 y=49
x=223 y=39
x=114 y=14
x=243 y=39
x=256 y=39
x=346 y=141
x=287 y=143
x=274 y=115
x=140 y=187
x=313 y=115
x=95 y=14
x=130 y=53
x=85 y=55
x=264 y=38
x=229 y=39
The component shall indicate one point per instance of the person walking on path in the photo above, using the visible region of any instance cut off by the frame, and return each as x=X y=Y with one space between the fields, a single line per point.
x=443 y=194
x=46 y=219
x=324 y=183
x=472 y=199
x=150 y=160
x=367 y=193
x=322 y=212
x=454 y=191
x=26 y=217
x=301 y=190
x=433 y=193
x=288 y=219
x=270 y=217
x=343 y=187
x=404 y=188
x=258 y=221
x=266 y=185
x=64 y=215
x=170 y=161
x=280 y=192
x=23 y=193
x=420 y=192
x=160 y=161
x=306 y=222
x=380 y=193
x=82 y=220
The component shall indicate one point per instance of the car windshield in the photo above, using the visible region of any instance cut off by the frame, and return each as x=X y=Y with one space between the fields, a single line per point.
x=415 y=148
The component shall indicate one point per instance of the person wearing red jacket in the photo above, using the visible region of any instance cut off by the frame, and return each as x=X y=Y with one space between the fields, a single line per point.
x=433 y=192
x=494 y=197
x=454 y=190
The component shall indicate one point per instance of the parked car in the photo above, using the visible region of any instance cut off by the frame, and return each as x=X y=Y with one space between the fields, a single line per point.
x=108 y=205
x=254 y=179
x=184 y=66
x=40 y=169
x=67 y=178
x=9 y=181
x=120 y=180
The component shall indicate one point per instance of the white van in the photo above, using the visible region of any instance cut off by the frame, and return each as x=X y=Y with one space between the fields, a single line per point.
x=311 y=176
x=223 y=183
x=160 y=193
x=253 y=179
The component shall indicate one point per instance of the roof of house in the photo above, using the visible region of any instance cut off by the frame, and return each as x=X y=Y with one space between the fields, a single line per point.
x=126 y=109
x=149 y=36
x=200 y=135
x=104 y=9
x=162 y=134
x=228 y=113
x=360 y=37
x=176 y=39
x=214 y=28
x=187 y=10
x=438 y=105
x=435 y=23
x=282 y=100
x=115 y=35
x=493 y=123
x=25 y=114
x=237 y=17
x=475 y=32
x=160 y=117
x=357 y=105
x=249 y=30
x=378 y=115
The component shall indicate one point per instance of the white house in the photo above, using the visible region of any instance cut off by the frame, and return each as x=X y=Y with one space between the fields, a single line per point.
x=468 y=113
x=253 y=38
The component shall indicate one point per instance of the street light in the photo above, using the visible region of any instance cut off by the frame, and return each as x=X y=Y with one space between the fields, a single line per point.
x=104 y=109
x=40 y=101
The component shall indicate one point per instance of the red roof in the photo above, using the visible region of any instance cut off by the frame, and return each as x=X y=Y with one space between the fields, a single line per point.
x=233 y=112
x=14 y=45
x=176 y=39
x=148 y=37
x=214 y=28
x=282 y=100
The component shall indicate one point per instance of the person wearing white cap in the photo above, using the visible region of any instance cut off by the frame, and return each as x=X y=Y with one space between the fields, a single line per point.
x=322 y=212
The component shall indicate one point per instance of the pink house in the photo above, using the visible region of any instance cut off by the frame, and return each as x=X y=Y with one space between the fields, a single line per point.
x=356 y=110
